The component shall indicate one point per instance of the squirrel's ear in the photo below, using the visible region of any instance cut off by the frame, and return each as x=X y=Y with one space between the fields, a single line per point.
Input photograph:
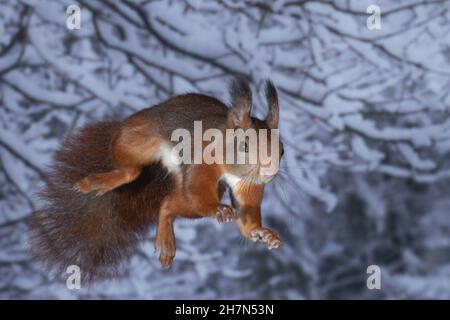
x=273 y=116
x=241 y=108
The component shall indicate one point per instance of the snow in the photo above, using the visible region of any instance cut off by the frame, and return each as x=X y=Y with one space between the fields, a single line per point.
x=364 y=122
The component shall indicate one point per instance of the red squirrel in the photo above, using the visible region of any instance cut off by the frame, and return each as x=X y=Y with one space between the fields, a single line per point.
x=110 y=181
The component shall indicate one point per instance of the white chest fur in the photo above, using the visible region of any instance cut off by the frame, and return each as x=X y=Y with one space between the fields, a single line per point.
x=231 y=180
x=168 y=159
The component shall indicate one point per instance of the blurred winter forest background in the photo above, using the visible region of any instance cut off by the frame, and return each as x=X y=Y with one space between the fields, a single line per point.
x=364 y=118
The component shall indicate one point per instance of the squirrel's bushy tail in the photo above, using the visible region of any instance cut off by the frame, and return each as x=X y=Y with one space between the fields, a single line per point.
x=96 y=233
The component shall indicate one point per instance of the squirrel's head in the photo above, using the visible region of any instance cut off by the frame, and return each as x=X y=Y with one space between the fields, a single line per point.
x=255 y=141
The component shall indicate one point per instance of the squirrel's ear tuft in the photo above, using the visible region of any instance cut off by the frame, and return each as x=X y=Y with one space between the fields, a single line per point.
x=273 y=116
x=241 y=104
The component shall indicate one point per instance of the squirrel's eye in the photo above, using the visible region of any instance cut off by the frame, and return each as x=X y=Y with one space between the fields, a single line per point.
x=243 y=146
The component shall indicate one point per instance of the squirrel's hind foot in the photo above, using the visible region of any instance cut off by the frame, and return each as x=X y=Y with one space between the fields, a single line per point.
x=167 y=253
x=166 y=245
x=104 y=182
x=85 y=185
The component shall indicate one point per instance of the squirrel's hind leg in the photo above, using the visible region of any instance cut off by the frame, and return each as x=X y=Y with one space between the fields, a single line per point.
x=104 y=182
x=132 y=147
x=165 y=241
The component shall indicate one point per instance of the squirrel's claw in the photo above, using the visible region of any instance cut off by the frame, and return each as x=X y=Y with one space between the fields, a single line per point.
x=225 y=213
x=83 y=186
x=166 y=261
x=166 y=255
x=167 y=250
x=101 y=192
x=266 y=235
x=86 y=186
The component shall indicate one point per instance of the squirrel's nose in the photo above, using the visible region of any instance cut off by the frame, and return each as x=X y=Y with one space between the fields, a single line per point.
x=268 y=176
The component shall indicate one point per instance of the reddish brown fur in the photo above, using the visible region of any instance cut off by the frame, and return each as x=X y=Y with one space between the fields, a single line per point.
x=118 y=160
x=133 y=146
x=96 y=233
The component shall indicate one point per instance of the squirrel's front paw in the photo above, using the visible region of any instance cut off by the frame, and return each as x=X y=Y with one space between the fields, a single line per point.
x=266 y=235
x=225 y=213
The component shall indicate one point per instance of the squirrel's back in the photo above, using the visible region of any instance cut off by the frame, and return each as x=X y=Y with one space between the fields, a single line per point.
x=181 y=112
x=95 y=233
